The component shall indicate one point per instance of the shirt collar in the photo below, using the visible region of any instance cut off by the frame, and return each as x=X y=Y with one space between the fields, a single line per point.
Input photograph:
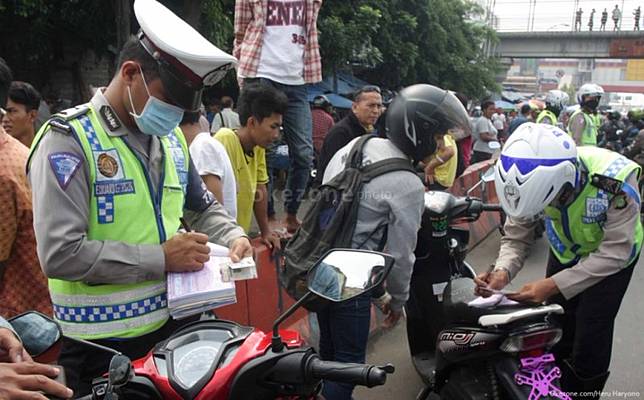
x=106 y=115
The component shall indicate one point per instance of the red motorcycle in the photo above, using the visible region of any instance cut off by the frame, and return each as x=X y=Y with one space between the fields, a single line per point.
x=216 y=359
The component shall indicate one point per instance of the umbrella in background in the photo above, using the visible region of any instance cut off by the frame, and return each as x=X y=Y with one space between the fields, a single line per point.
x=504 y=105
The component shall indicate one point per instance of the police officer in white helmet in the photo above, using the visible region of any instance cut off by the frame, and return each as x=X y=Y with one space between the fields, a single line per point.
x=111 y=180
x=591 y=204
x=584 y=123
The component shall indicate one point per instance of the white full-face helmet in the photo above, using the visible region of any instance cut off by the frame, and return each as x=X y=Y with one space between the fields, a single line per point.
x=535 y=164
x=589 y=90
x=557 y=100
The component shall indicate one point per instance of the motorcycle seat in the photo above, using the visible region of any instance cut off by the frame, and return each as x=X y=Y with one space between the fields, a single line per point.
x=459 y=292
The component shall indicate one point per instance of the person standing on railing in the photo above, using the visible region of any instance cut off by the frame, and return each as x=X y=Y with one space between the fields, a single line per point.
x=578 y=19
x=591 y=20
x=604 y=19
x=636 y=15
x=617 y=15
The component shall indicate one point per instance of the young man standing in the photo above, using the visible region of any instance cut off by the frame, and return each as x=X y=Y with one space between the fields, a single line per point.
x=212 y=162
x=276 y=42
x=483 y=133
x=261 y=108
x=22 y=110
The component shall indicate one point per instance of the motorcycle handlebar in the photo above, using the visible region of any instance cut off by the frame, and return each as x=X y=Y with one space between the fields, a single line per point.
x=357 y=374
x=491 y=207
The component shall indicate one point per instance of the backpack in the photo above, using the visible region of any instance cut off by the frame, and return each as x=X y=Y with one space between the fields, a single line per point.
x=331 y=221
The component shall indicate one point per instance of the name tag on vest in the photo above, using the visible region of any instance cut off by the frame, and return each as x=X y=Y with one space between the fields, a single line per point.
x=113 y=187
x=596 y=208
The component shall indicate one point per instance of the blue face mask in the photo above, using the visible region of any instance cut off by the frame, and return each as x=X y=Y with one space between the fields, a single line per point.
x=158 y=118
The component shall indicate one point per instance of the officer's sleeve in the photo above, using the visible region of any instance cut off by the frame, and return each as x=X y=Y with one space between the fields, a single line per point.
x=613 y=253
x=515 y=244
x=576 y=128
x=205 y=214
x=60 y=189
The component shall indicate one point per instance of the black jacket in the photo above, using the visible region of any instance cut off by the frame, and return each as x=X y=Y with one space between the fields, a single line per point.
x=339 y=136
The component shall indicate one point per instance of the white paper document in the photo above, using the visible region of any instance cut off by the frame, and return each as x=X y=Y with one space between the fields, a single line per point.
x=191 y=293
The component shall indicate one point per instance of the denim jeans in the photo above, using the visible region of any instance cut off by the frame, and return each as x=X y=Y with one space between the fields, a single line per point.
x=298 y=133
x=344 y=331
x=274 y=162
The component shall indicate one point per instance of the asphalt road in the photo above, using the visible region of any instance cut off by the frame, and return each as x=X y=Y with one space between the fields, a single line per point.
x=627 y=366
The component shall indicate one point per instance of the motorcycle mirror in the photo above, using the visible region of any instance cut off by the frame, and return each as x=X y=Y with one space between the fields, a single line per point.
x=488 y=176
x=494 y=145
x=342 y=274
x=347 y=273
x=120 y=372
x=38 y=332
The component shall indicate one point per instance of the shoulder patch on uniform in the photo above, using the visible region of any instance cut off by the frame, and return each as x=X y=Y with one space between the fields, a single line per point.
x=60 y=126
x=606 y=183
x=110 y=118
x=72 y=113
x=64 y=165
x=620 y=202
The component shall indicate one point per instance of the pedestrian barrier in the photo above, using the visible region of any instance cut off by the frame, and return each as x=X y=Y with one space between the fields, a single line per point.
x=261 y=300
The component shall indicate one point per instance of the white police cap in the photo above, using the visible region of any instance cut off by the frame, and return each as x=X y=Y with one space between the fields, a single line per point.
x=187 y=60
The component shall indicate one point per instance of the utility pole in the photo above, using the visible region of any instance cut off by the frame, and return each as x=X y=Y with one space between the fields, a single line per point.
x=623 y=14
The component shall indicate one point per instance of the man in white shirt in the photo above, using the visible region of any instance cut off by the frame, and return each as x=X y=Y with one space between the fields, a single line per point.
x=483 y=133
x=226 y=118
x=211 y=160
x=499 y=121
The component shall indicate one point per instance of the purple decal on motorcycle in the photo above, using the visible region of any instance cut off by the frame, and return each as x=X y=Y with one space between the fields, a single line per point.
x=534 y=372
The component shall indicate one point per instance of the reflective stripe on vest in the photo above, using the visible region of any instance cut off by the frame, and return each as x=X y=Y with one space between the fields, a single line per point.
x=589 y=135
x=577 y=230
x=123 y=207
x=552 y=118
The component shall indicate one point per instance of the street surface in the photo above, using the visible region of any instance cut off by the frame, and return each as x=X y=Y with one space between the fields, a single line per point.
x=627 y=366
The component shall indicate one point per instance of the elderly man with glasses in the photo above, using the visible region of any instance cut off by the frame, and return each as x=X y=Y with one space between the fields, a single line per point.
x=365 y=111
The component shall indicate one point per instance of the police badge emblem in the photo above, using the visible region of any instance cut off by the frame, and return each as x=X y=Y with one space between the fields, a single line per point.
x=107 y=165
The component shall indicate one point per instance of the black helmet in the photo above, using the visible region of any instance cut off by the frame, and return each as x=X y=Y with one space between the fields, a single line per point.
x=321 y=101
x=419 y=112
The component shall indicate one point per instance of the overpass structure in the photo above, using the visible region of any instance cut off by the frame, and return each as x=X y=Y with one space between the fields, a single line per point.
x=619 y=44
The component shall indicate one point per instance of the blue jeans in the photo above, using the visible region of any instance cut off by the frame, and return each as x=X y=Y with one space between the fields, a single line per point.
x=298 y=133
x=274 y=163
x=344 y=331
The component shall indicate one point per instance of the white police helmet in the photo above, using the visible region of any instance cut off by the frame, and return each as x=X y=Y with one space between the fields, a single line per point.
x=535 y=164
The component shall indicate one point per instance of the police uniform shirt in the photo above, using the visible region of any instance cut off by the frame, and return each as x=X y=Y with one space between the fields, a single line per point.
x=61 y=214
x=609 y=258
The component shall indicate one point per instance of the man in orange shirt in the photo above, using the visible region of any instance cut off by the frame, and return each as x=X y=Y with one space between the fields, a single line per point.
x=23 y=285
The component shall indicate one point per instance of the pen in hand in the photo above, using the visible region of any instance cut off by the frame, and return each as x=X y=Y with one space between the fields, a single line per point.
x=185 y=225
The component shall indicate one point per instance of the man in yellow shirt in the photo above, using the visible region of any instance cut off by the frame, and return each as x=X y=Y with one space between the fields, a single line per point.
x=260 y=109
x=440 y=168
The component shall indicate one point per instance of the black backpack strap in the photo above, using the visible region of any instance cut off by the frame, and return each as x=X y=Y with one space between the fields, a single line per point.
x=384 y=166
x=354 y=160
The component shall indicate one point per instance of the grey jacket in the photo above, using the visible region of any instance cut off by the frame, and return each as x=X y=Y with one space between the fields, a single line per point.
x=395 y=199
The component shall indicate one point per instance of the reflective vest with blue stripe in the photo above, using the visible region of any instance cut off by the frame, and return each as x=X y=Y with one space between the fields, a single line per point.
x=552 y=118
x=123 y=207
x=589 y=136
x=576 y=231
